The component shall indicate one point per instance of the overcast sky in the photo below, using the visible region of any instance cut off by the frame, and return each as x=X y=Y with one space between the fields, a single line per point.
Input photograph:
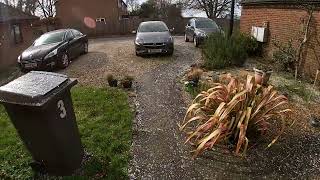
x=187 y=13
x=197 y=13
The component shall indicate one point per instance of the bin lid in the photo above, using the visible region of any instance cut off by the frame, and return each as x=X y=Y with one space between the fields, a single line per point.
x=34 y=88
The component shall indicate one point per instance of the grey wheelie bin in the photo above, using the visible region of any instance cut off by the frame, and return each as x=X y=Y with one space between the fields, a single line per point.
x=40 y=107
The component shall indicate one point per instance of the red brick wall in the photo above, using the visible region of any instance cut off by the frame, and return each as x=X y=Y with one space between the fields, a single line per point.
x=285 y=23
x=9 y=51
x=71 y=14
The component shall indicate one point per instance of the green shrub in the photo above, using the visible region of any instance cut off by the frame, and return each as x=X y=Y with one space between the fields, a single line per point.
x=216 y=51
x=249 y=43
x=221 y=51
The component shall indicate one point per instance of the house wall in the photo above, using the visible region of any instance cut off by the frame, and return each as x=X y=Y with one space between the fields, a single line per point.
x=285 y=23
x=9 y=51
x=178 y=23
x=82 y=15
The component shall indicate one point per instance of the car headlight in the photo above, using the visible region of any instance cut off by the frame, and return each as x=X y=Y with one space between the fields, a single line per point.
x=170 y=39
x=19 y=59
x=138 y=41
x=52 y=53
x=202 y=34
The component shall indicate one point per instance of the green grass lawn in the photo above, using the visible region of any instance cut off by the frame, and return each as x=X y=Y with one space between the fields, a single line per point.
x=104 y=118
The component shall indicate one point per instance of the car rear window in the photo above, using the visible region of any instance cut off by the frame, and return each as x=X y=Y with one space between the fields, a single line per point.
x=153 y=27
x=49 y=38
x=76 y=33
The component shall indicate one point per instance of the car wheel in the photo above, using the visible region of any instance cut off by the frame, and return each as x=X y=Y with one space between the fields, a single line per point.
x=23 y=70
x=137 y=54
x=186 y=38
x=195 y=41
x=64 y=62
x=86 y=48
x=170 y=52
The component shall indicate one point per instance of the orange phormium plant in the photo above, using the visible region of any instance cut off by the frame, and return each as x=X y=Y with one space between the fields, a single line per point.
x=227 y=111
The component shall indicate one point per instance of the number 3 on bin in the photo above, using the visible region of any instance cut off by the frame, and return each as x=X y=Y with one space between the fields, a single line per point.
x=63 y=112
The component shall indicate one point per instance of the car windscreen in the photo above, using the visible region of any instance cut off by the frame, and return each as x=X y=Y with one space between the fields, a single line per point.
x=153 y=27
x=206 y=24
x=50 y=38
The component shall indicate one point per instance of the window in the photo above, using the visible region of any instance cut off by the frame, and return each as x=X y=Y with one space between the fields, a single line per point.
x=76 y=33
x=17 y=35
x=153 y=27
x=69 y=35
x=101 y=20
x=193 y=24
x=50 y=38
x=206 y=24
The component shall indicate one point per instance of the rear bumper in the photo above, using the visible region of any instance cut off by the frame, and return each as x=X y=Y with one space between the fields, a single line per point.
x=154 y=49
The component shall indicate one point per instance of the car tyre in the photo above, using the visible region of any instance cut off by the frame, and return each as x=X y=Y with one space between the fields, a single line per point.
x=195 y=41
x=85 y=48
x=64 y=62
x=137 y=54
x=23 y=70
x=186 y=38
x=170 y=52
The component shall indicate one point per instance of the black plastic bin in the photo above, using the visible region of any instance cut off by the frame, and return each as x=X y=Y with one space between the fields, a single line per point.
x=39 y=105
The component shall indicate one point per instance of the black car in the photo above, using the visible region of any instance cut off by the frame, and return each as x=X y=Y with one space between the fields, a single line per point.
x=198 y=30
x=53 y=49
x=153 y=37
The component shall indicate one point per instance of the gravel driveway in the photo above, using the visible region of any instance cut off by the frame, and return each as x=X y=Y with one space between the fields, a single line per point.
x=158 y=149
x=111 y=55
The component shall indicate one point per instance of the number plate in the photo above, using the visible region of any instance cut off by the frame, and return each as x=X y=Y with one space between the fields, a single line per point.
x=30 y=65
x=155 y=50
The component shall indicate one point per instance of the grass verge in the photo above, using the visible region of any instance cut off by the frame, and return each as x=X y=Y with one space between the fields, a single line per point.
x=104 y=118
x=285 y=83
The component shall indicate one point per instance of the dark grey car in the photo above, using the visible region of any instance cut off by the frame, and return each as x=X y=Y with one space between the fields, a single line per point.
x=153 y=37
x=55 y=48
x=198 y=29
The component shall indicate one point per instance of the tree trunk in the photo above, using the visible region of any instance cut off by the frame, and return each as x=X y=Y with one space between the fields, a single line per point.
x=231 y=18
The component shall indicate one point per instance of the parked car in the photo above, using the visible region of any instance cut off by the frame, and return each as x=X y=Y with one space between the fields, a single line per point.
x=198 y=29
x=154 y=37
x=53 y=49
